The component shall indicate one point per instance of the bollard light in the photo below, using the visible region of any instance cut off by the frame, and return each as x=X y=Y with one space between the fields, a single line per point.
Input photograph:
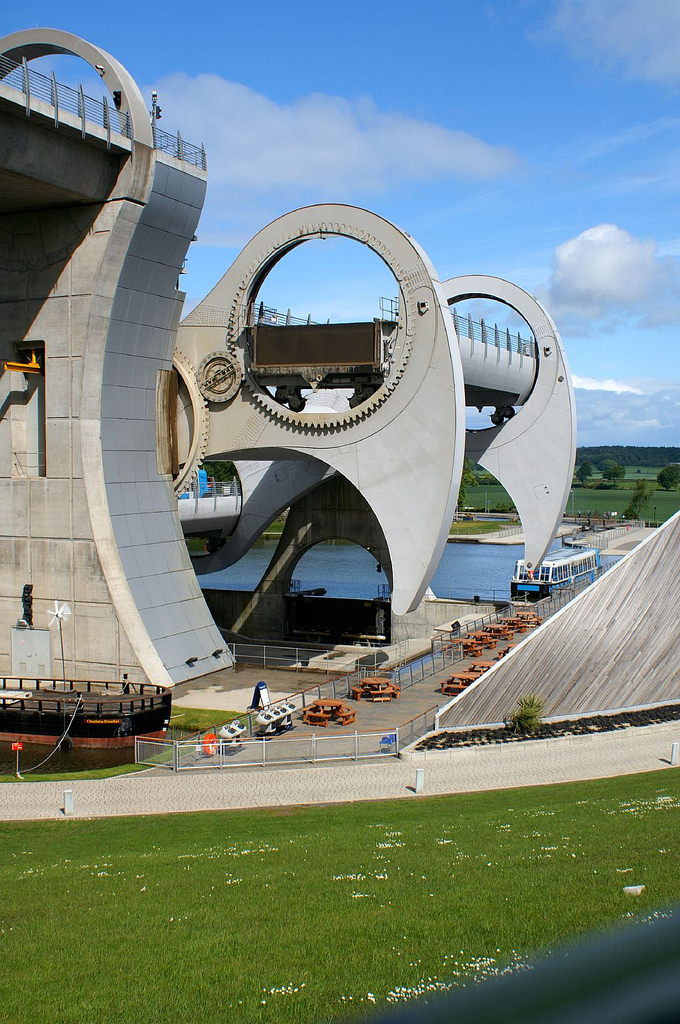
x=68 y=802
x=420 y=779
x=675 y=754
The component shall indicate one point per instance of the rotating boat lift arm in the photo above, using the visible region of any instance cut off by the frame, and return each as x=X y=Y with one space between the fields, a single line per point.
x=403 y=446
x=532 y=454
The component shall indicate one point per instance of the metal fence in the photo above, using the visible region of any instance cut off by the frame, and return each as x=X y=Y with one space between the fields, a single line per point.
x=437 y=661
x=65 y=99
x=480 y=331
x=296 y=659
x=603 y=538
x=189 y=752
x=193 y=754
x=417 y=727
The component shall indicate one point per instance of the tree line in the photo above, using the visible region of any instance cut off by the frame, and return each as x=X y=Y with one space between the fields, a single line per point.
x=627 y=455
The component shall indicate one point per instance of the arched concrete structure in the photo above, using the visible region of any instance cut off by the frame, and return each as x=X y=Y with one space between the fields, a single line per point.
x=40 y=42
x=415 y=418
x=402 y=445
x=333 y=510
x=91 y=281
x=532 y=454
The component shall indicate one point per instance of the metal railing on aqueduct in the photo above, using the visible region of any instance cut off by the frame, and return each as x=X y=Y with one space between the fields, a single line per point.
x=66 y=100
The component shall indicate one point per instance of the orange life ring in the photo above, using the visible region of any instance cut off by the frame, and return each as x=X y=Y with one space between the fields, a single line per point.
x=210 y=744
x=531 y=574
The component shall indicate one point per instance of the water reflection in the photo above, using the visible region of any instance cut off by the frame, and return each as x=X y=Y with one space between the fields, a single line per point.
x=347 y=570
x=77 y=760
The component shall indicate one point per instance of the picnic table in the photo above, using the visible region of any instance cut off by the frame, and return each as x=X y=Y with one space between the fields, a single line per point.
x=531 y=617
x=518 y=625
x=506 y=650
x=501 y=632
x=459 y=680
x=486 y=639
x=484 y=665
x=321 y=711
x=453 y=689
x=375 y=689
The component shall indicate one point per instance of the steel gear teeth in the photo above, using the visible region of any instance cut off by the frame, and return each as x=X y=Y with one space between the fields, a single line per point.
x=201 y=434
x=280 y=414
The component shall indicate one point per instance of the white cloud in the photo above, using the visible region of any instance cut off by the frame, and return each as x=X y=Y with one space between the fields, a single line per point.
x=641 y=36
x=315 y=148
x=605 y=273
x=645 y=413
x=618 y=387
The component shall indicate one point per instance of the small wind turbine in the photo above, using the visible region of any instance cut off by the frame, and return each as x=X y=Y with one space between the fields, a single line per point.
x=61 y=613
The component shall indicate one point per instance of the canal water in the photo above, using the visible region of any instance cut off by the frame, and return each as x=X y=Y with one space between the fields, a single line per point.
x=347 y=570
x=76 y=760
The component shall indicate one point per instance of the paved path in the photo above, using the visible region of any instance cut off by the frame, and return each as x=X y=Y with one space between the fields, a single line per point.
x=506 y=766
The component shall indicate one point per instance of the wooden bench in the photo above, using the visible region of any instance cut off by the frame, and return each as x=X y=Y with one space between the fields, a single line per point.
x=346 y=717
x=453 y=689
x=316 y=718
x=462 y=678
x=490 y=642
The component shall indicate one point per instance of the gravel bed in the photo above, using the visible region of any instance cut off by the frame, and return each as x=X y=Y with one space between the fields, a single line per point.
x=550 y=730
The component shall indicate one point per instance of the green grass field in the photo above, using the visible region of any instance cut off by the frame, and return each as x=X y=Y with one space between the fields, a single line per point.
x=662 y=504
x=463 y=529
x=90 y=773
x=316 y=914
x=195 y=719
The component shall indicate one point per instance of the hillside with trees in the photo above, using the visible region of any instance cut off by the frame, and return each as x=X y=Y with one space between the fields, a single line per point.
x=626 y=455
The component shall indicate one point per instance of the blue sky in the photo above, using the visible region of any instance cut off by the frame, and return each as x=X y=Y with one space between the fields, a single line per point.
x=533 y=140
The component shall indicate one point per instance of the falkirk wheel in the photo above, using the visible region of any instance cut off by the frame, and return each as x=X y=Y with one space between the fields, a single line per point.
x=401 y=438
x=110 y=402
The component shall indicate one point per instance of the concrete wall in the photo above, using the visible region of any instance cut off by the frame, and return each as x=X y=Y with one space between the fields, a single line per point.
x=94 y=283
x=432 y=613
x=261 y=616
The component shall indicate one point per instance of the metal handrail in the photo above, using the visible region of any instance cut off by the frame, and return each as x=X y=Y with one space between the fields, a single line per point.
x=96 y=686
x=501 y=338
x=64 y=99
x=268 y=315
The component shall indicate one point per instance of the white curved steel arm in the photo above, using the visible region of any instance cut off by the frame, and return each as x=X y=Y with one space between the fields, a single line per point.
x=532 y=454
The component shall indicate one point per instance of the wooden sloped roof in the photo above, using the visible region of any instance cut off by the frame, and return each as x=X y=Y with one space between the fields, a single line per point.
x=616 y=645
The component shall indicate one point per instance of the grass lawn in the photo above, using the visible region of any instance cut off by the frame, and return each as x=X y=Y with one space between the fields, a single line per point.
x=90 y=773
x=462 y=529
x=596 y=499
x=195 y=719
x=312 y=914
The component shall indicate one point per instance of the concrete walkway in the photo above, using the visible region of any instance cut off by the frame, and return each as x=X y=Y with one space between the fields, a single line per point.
x=506 y=766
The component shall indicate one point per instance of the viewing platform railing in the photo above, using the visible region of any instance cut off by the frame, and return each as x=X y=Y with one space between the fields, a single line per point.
x=102 y=113
x=501 y=338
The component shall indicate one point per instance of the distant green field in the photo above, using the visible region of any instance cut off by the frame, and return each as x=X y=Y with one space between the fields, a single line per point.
x=662 y=504
x=319 y=914
x=462 y=529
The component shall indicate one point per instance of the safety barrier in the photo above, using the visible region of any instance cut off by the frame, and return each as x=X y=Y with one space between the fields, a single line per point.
x=102 y=113
x=195 y=754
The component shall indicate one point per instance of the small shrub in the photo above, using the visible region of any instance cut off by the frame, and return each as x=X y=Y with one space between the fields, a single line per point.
x=527 y=715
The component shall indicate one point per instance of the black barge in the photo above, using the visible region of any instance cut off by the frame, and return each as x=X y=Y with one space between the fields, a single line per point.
x=85 y=713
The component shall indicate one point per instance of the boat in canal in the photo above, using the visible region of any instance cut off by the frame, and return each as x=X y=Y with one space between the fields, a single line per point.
x=561 y=568
x=82 y=713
